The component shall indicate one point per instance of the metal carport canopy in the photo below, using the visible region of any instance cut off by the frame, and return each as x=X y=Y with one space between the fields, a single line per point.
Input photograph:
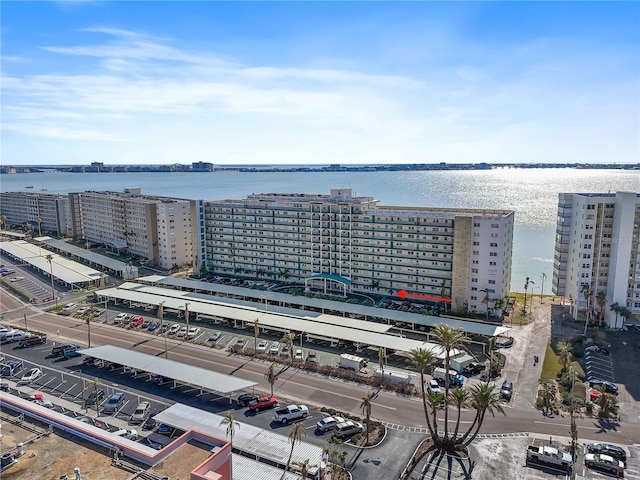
x=468 y=326
x=252 y=307
x=286 y=323
x=248 y=439
x=196 y=376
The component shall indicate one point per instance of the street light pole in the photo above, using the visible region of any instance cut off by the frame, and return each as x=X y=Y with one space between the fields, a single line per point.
x=544 y=277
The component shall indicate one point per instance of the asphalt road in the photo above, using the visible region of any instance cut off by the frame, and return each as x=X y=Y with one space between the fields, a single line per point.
x=403 y=414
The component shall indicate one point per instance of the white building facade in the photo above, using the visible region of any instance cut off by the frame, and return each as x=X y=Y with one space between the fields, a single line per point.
x=342 y=243
x=596 y=250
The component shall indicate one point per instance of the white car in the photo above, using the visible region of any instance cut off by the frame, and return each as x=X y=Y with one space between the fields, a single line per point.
x=68 y=307
x=31 y=375
x=174 y=329
x=298 y=355
x=328 y=423
x=130 y=434
x=83 y=310
x=285 y=351
x=121 y=317
x=275 y=348
x=592 y=348
x=193 y=331
x=262 y=346
x=182 y=332
x=433 y=386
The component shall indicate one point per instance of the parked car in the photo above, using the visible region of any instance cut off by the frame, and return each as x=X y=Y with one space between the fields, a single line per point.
x=214 y=337
x=311 y=356
x=146 y=323
x=38 y=399
x=193 y=331
x=10 y=368
x=607 y=449
x=83 y=310
x=141 y=412
x=298 y=355
x=285 y=351
x=433 y=387
x=246 y=398
x=328 y=423
x=348 y=428
x=126 y=433
x=263 y=403
x=275 y=348
x=473 y=368
x=114 y=403
x=262 y=346
x=32 y=340
x=150 y=423
x=608 y=386
x=58 y=350
x=174 y=329
x=592 y=348
x=31 y=375
x=182 y=332
x=153 y=326
x=136 y=321
x=68 y=307
x=604 y=462
x=94 y=396
x=4 y=387
x=164 y=429
x=506 y=391
x=120 y=318
x=164 y=327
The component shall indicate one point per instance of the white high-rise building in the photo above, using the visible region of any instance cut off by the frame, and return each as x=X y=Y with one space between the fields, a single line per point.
x=596 y=253
x=342 y=243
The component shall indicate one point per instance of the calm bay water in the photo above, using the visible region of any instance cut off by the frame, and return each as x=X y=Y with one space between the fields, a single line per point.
x=532 y=193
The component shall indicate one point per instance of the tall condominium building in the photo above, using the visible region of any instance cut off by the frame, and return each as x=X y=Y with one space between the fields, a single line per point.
x=346 y=243
x=156 y=228
x=596 y=250
x=46 y=213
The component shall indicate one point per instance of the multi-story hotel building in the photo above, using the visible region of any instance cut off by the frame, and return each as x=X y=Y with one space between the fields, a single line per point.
x=45 y=213
x=596 y=250
x=156 y=228
x=346 y=243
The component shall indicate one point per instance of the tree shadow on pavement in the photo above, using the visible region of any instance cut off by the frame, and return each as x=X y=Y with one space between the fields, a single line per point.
x=440 y=464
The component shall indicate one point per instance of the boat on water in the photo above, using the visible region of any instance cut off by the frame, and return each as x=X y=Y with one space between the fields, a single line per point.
x=43 y=189
x=29 y=186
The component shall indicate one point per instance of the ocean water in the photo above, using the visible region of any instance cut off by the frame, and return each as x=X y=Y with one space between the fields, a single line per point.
x=531 y=193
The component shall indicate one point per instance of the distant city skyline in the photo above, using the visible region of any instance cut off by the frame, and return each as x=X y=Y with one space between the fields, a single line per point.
x=269 y=83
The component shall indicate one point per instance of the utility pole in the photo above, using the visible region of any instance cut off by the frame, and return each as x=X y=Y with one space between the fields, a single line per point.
x=544 y=277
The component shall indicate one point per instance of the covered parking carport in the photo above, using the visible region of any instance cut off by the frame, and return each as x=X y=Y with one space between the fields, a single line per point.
x=322 y=327
x=198 y=377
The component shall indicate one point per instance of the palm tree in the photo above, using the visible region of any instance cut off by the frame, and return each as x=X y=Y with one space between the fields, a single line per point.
x=601 y=299
x=88 y=319
x=3 y=221
x=458 y=397
x=49 y=259
x=485 y=300
x=270 y=375
x=484 y=398
x=288 y=340
x=381 y=359
x=256 y=332
x=366 y=410
x=304 y=467
x=585 y=289
x=526 y=287
x=547 y=395
x=422 y=360
x=95 y=383
x=615 y=307
x=296 y=434
x=564 y=354
x=231 y=425
x=449 y=339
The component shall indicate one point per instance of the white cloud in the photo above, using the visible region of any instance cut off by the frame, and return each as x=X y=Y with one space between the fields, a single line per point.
x=144 y=98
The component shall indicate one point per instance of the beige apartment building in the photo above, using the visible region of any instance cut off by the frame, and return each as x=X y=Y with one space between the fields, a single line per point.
x=45 y=213
x=156 y=228
x=342 y=243
x=597 y=254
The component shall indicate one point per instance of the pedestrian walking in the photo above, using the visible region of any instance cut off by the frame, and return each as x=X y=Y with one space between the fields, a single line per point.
x=58 y=332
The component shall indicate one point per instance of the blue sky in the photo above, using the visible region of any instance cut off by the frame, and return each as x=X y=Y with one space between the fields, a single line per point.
x=320 y=82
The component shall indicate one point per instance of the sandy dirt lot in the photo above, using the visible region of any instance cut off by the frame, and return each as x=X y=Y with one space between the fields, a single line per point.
x=49 y=457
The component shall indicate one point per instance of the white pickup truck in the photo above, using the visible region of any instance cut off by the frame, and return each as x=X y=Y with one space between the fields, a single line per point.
x=549 y=456
x=290 y=412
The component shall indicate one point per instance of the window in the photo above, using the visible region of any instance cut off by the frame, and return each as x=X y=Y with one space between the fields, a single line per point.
x=493 y=254
x=495 y=225
x=492 y=282
x=476 y=244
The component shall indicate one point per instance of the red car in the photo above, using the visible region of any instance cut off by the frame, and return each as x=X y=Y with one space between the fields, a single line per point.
x=136 y=321
x=263 y=403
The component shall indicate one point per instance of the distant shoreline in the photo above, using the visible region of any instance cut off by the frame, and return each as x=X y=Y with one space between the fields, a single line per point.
x=11 y=170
